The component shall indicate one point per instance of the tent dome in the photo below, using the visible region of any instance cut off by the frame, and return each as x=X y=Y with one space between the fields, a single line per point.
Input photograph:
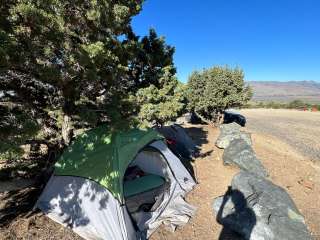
x=103 y=155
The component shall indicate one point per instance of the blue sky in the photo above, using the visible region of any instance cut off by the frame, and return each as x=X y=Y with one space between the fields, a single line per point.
x=276 y=40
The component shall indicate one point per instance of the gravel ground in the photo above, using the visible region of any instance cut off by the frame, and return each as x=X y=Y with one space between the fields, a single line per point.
x=299 y=129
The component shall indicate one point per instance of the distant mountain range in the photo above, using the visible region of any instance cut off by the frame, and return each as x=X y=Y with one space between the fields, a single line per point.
x=308 y=91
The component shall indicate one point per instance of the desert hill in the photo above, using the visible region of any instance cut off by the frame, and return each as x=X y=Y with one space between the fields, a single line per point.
x=286 y=91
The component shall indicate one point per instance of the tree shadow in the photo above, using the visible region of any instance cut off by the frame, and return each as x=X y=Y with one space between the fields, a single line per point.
x=18 y=203
x=198 y=135
x=69 y=195
x=21 y=202
x=236 y=216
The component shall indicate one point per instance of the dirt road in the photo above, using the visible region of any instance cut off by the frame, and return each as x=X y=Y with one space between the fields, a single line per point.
x=299 y=129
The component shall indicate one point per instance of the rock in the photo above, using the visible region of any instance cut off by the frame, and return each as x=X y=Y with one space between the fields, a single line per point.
x=233 y=117
x=181 y=120
x=230 y=128
x=241 y=154
x=258 y=209
x=224 y=140
x=189 y=118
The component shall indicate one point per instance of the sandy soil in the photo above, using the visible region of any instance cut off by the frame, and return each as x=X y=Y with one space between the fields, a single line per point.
x=300 y=129
x=295 y=173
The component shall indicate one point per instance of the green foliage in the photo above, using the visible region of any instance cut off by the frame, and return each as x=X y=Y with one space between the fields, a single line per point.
x=156 y=95
x=55 y=53
x=294 y=104
x=161 y=105
x=74 y=47
x=82 y=60
x=213 y=90
x=16 y=126
x=148 y=61
x=297 y=104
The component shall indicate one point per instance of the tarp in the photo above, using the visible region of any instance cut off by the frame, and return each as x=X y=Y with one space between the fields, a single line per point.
x=103 y=155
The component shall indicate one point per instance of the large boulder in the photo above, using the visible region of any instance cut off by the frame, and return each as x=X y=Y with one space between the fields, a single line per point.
x=229 y=132
x=225 y=139
x=189 y=118
x=241 y=154
x=234 y=117
x=230 y=128
x=255 y=208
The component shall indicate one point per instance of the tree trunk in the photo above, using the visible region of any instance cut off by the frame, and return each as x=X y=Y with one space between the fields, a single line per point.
x=219 y=119
x=205 y=120
x=67 y=129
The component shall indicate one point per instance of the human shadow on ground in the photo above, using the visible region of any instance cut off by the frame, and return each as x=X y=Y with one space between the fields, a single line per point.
x=236 y=216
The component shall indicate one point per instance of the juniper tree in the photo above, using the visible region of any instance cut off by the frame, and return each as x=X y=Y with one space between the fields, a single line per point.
x=213 y=90
x=65 y=63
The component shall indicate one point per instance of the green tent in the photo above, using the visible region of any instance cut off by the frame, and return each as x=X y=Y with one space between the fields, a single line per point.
x=122 y=185
x=103 y=155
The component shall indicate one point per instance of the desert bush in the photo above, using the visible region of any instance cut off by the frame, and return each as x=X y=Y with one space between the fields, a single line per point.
x=211 y=91
x=297 y=104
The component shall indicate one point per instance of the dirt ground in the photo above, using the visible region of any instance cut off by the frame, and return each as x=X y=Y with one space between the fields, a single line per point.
x=213 y=180
x=285 y=163
x=299 y=129
x=277 y=136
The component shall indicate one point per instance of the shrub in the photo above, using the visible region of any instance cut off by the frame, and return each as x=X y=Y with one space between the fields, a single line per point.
x=296 y=104
x=211 y=91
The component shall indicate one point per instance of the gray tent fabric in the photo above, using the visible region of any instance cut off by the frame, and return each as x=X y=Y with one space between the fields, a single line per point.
x=177 y=133
x=86 y=207
x=181 y=145
x=180 y=173
x=93 y=213
x=173 y=211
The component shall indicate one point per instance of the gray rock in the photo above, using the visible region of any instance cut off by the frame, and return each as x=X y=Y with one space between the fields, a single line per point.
x=259 y=210
x=189 y=118
x=241 y=154
x=231 y=116
x=181 y=120
x=230 y=128
x=224 y=139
